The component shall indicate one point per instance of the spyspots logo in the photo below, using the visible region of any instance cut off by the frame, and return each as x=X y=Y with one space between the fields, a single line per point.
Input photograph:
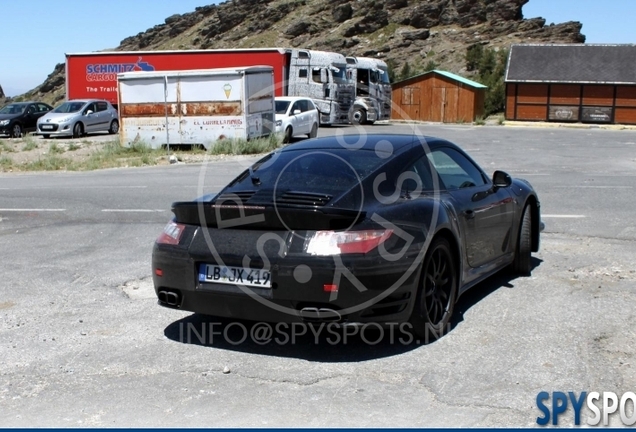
x=101 y=72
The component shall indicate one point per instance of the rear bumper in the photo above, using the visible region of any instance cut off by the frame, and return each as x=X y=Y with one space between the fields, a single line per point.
x=372 y=296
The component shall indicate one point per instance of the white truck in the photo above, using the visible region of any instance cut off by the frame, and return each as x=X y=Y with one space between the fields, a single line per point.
x=373 y=90
x=195 y=107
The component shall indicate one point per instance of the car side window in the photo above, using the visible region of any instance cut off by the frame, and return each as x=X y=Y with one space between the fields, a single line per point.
x=43 y=108
x=423 y=171
x=90 y=107
x=102 y=106
x=30 y=109
x=302 y=73
x=310 y=106
x=455 y=170
x=294 y=107
x=303 y=105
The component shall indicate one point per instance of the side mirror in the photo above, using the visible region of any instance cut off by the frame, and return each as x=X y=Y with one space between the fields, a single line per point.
x=88 y=112
x=296 y=112
x=501 y=179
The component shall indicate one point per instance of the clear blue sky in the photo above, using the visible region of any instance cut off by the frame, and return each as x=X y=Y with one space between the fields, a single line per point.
x=37 y=33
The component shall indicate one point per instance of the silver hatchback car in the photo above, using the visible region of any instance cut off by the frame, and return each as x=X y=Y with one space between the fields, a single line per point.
x=79 y=117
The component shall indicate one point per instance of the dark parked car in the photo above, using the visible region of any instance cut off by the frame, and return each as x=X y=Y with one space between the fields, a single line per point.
x=21 y=117
x=391 y=230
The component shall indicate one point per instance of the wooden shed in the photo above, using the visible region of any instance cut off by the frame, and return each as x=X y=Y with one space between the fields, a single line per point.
x=438 y=96
x=572 y=83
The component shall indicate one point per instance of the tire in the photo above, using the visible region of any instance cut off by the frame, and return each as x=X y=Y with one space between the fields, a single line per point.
x=78 y=130
x=522 y=264
x=436 y=294
x=46 y=136
x=16 y=131
x=114 y=127
x=314 y=131
x=359 y=116
x=288 y=135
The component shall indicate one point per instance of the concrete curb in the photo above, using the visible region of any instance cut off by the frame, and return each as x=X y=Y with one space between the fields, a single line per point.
x=569 y=125
x=522 y=124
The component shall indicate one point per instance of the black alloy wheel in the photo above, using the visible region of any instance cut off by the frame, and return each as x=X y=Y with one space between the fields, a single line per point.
x=522 y=264
x=437 y=292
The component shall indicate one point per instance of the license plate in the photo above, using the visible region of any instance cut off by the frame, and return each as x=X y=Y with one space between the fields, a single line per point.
x=46 y=127
x=235 y=275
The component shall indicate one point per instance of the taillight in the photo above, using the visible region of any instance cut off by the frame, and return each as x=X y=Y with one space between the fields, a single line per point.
x=346 y=242
x=171 y=233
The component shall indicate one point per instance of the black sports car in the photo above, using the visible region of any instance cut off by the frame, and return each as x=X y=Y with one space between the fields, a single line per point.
x=354 y=229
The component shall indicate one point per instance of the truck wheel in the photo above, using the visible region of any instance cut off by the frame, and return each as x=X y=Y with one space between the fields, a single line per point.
x=45 y=136
x=114 y=127
x=288 y=135
x=314 y=131
x=359 y=116
x=16 y=131
x=78 y=130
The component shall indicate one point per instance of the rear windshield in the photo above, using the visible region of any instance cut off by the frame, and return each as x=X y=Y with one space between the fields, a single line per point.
x=322 y=171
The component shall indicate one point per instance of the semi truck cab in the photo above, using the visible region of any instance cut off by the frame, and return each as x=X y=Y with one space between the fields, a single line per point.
x=372 y=89
x=323 y=77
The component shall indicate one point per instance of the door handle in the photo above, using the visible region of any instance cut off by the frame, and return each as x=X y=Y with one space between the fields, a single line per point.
x=469 y=214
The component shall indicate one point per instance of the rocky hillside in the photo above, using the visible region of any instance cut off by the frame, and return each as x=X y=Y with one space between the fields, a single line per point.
x=394 y=30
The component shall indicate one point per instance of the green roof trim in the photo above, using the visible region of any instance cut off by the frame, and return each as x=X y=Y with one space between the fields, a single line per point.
x=450 y=75
x=460 y=79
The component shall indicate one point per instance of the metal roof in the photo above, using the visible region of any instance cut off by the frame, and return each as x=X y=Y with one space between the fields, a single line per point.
x=447 y=74
x=245 y=70
x=572 y=63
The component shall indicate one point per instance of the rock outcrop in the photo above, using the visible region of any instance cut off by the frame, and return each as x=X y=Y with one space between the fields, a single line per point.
x=395 y=30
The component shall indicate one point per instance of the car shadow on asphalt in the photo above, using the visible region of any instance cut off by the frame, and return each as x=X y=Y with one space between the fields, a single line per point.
x=320 y=343
x=502 y=279
x=325 y=344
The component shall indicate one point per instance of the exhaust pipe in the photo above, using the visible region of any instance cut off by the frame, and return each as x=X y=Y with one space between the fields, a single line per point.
x=173 y=299
x=168 y=297
x=313 y=314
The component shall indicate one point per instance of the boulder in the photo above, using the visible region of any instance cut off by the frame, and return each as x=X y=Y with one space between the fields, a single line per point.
x=297 y=28
x=342 y=12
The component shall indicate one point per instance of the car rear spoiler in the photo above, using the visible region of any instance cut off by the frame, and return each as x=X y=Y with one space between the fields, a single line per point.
x=280 y=217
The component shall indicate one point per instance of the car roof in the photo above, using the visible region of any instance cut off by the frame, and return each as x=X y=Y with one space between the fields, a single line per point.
x=399 y=142
x=23 y=103
x=86 y=100
x=291 y=98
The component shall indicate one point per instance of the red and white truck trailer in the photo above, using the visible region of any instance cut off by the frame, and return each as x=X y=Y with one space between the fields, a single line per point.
x=319 y=75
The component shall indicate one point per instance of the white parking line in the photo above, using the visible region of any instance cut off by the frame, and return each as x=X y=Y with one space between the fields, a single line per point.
x=133 y=210
x=562 y=216
x=75 y=187
x=30 y=210
x=595 y=187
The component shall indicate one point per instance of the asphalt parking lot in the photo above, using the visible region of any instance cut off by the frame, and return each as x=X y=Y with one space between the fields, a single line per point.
x=84 y=344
